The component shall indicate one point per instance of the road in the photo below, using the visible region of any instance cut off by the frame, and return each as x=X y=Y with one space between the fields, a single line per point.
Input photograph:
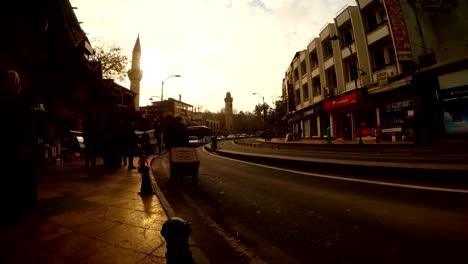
x=296 y=217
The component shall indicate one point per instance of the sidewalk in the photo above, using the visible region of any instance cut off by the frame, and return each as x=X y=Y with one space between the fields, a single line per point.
x=94 y=218
x=365 y=140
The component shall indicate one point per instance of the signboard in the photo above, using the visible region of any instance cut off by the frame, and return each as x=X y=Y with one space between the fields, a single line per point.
x=341 y=101
x=434 y=5
x=314 y=110
x=382 y=78
x=399 y=30
x=457 y=92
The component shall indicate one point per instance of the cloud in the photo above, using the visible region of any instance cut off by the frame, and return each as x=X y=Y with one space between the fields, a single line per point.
x=232 y=46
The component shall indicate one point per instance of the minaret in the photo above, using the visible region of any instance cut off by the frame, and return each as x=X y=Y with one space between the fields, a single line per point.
x=228 y=112
x=135 y=74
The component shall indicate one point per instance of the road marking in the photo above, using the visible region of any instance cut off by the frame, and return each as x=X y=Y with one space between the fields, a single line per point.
x=409 y=186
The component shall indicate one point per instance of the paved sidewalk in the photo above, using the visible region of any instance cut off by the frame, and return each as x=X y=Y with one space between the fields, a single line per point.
x=94 y=218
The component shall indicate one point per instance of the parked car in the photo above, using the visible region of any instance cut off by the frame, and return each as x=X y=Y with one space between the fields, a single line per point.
x=194 y=141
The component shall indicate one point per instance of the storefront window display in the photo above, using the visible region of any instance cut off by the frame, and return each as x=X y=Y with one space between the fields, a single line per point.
x=397 y=121
x=456 y=117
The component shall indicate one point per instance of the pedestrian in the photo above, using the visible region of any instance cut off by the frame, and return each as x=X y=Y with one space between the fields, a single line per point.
x=90 y=139
x=132 y=145
x=180 y=133
x=299 y=132
x=18 y=191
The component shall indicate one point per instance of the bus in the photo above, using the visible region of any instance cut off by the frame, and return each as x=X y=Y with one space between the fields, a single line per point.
x=199 y=131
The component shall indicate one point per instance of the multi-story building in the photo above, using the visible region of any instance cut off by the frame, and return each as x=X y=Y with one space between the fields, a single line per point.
x=384 y=69
x=172 y=107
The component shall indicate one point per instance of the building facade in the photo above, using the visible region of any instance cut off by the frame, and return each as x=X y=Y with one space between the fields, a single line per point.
x=172 y=107
x=385 y=69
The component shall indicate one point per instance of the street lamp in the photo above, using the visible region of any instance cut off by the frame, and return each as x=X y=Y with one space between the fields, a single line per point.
x=162 y=89
x=354 y=74
x=264 y=109
x=151 y=98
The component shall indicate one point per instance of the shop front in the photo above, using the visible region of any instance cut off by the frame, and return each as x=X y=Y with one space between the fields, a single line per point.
x=344 y=111
x=455 y=108
x=395 y=112
x=309 y=121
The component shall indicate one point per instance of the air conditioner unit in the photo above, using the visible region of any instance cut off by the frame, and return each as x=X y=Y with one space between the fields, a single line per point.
x=327 y=92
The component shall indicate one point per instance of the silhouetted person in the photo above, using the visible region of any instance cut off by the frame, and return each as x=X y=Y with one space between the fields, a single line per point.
x=299 y=133
x=132 y=140
x=18 y=189
x=90 y=139
x=176 y=134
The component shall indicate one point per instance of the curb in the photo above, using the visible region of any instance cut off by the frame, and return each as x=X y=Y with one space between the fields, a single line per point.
x=197 y=255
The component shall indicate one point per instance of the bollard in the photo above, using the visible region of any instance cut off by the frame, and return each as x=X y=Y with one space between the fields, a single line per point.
x=146 y=185
x=176 y=232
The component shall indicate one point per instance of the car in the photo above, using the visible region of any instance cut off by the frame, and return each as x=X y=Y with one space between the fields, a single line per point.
x=194 y=141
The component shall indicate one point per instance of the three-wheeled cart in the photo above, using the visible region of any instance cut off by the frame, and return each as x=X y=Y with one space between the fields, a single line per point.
x=184 y=162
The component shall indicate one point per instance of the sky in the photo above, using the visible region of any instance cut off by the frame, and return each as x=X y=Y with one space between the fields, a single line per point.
x=217 y=46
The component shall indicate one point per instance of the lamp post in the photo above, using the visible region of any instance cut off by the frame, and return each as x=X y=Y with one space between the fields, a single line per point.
x=162 y=89
x=354 y=74
x=264 y=109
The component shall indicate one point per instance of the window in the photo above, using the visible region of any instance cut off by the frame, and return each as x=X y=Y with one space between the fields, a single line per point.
x=391 y=55
x=316 y=87
x=331 y=79
x=303 y=68
x=297 y=96
x=327 y=48
x=313 y=59
x=383 y=15
x=378 y=56
x=348 y=37
x=305 y=91
x=349 y=70
x=371 y=21
x=375 y=16
x=383 y=57
x=296 y=75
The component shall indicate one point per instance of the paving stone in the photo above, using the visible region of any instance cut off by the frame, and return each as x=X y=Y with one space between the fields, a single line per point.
x=133 y=238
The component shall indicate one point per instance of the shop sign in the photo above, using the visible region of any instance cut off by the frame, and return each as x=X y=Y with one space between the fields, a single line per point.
x=382 y=78
x=399 y=30
x=341 y=101
x=457 y=92
x=297 y=117
x=314 y=110
x=399 y=105
x=434 y=5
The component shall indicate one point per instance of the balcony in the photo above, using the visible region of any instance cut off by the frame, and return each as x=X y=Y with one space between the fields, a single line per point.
x=378 y=34
x=351 y=85
x=315 y=72
x=342 y=18
x=364 y=3
x=317 y=98
x=329 y=62
x=345 y=51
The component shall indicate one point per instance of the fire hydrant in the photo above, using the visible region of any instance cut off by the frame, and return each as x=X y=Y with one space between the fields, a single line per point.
x=176 y=232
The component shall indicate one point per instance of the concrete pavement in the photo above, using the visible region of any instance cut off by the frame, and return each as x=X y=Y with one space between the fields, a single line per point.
x=94 y=217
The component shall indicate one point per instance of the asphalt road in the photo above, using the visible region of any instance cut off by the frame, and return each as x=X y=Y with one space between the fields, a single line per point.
x=296 y=217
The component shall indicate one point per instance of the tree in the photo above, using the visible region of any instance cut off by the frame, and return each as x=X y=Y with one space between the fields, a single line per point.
x=277 y=117
x=113 y=63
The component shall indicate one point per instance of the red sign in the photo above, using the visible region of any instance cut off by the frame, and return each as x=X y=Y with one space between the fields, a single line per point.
x=341 y=101
x=399 y=30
